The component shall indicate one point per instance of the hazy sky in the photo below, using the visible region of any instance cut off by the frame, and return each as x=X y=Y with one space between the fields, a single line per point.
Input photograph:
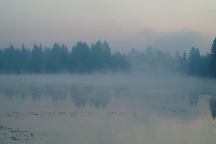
x=124 y=24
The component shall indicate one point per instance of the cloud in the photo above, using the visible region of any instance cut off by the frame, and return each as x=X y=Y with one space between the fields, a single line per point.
x=181 y=40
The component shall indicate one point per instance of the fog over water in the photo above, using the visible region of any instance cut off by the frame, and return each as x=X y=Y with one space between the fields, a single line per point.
x=107 y=108
x=107 y=72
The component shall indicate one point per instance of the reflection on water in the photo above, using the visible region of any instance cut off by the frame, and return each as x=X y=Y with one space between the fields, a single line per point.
x=109 y=113
x=212 y=106
x=79 y=94
x=99 y=96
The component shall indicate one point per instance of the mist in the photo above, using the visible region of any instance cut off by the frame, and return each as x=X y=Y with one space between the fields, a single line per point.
x=107 y=72
x=114 y=102
x=180 y=40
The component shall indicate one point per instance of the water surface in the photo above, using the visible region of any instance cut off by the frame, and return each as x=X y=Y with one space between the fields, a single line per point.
x=107 y=109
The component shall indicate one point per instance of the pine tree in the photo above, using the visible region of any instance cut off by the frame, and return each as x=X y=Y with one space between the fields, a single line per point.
x=212 y=66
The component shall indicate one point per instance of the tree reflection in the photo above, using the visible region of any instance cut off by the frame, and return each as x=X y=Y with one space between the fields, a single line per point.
x=212 y=106
x=193 y=98
x=93 y=96
x=81 y=95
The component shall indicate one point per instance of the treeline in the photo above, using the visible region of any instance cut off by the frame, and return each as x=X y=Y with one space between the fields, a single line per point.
x=156 y=61
x=82 y=58
x=192 y=63
x=98 y=57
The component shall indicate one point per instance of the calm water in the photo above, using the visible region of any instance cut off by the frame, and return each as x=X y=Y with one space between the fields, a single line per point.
x=106 y=109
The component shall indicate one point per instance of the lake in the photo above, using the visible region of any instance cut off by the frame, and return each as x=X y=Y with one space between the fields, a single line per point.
x=107 y=109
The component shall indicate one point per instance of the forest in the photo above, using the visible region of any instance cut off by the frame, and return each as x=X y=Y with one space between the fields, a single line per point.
x=98 y=57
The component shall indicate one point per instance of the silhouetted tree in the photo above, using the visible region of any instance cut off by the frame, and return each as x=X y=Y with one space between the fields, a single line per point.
x=25 y=57
x=119 y=62
x=100 y=55
x=1 y=59
x=212 y=63
x=80 y=57
x=37 y=59
x=194 y=61
x=58 y=58
x=83 y=58
x=184 y=62
x=10 y=61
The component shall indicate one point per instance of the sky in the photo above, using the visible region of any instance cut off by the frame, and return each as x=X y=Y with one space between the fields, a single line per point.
x=125 y=24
